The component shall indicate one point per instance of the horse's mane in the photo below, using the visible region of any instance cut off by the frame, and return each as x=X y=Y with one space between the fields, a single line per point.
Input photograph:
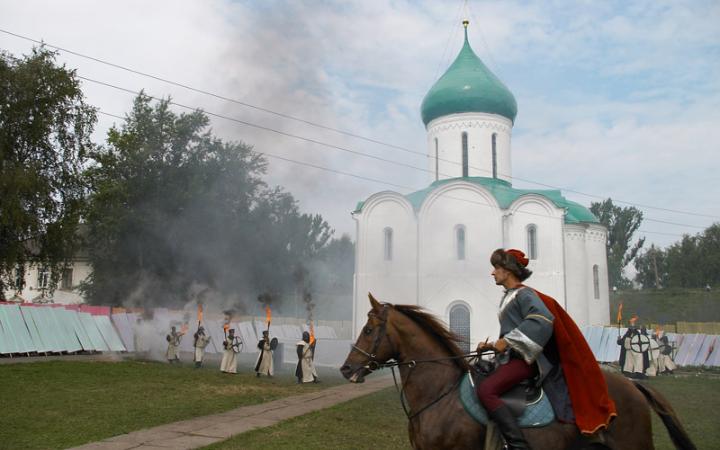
x=435 y=328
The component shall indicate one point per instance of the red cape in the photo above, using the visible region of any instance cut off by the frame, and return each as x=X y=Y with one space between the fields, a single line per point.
x=592 y=405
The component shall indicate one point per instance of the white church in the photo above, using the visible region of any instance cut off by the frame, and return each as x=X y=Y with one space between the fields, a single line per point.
x=432 y=247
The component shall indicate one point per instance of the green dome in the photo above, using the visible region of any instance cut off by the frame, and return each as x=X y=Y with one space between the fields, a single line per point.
x=468 y=86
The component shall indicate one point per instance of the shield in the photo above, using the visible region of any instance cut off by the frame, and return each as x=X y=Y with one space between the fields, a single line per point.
x=273 y=343
x=640 y=343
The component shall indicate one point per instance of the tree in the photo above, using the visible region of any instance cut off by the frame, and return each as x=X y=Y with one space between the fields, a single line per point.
x=45 y=128
x=652 y=270
x=622 y=223
x=174 y=206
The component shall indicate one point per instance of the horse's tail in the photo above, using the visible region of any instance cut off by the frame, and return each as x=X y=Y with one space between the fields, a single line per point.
x=672 y=423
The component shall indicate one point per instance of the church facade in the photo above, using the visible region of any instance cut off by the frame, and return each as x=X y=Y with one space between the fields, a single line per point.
x=432 y=247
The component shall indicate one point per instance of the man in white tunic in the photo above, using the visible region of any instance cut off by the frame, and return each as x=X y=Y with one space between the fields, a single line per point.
x=173 y=349
x=231 y=346
x=665 y=364
x=201 y=341
x=305 y=370
x=264 y=363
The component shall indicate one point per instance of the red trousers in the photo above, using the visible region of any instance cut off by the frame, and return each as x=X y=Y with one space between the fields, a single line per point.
x=501 y=380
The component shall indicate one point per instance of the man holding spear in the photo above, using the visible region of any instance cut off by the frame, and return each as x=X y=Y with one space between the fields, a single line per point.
x=201 y=340
x=264 y=363
x=305 y=370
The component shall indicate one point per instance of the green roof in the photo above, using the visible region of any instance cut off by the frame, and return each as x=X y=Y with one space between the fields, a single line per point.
x=505 y=195
x=468 y=86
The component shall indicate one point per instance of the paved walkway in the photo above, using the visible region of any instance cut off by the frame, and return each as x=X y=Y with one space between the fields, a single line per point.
x=206 y=430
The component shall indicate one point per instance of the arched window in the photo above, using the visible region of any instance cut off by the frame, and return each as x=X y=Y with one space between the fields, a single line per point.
x=532 y=241
x=464 y=154
x=460 y=325
x=388 y=244
x=460 y=241
x=596 y=282
x=494 y=155
x=437 y=160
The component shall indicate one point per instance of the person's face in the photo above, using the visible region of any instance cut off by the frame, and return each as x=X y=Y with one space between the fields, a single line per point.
x=500 y=274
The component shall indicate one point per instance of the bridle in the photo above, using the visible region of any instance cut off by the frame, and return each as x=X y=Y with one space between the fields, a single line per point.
x=372 y=364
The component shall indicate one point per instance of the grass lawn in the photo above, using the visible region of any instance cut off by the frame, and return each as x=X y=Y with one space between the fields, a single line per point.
x=378 y=422
x=60 y=404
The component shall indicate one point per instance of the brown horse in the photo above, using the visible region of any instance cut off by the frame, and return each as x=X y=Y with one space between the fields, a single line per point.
x=437 y=419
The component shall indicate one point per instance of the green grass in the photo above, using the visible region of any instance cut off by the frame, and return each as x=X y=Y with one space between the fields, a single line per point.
x=60 y=404
x=378 y=422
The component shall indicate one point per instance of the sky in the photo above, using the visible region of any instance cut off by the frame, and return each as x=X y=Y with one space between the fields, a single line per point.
x=616 y=99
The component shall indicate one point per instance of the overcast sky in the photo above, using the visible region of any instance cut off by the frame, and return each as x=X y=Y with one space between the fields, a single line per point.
x=616 y=99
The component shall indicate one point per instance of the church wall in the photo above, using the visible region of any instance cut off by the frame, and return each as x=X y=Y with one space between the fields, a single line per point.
x=537 y=211
x=576 y=274
x=598 y=309
x=479 y=128
x=389 y=280
x=443 y=278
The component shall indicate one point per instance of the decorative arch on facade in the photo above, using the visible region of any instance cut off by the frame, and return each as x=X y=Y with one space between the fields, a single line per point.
x=387 y=196
x=548 y=206
x=459 y=318
x=447 y=189
x=532 y=240
x=460 y=241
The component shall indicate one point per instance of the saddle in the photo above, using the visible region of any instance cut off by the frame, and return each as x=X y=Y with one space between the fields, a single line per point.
x=525 y=393
x=526 y=401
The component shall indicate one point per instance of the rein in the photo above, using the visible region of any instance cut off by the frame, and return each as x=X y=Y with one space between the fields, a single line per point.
x=373 y=365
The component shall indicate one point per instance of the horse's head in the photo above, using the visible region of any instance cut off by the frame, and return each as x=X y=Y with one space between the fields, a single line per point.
x=372 y=347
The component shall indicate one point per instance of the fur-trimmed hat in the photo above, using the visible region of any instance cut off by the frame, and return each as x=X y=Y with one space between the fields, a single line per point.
x=512 y=260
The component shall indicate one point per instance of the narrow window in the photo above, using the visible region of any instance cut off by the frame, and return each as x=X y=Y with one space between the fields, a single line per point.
x=532 y=241
x=437 y=161
x=460 y=241
x=19 y=278
x=43 y=278
x=460 y=325
x=388 y=244
x=67 y=279
x=596 y=282
x=464 y=154
x=494 y=155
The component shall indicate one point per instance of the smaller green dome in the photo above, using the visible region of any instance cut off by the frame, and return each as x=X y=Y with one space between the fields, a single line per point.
x=468 y=86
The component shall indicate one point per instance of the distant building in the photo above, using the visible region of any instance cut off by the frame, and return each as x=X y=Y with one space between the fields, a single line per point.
x=432 y=247
x=37 y=282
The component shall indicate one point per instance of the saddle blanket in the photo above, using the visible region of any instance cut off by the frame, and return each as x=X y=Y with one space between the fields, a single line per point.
x=538 y=414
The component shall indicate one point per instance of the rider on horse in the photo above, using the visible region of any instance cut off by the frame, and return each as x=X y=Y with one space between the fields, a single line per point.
x=539 y=340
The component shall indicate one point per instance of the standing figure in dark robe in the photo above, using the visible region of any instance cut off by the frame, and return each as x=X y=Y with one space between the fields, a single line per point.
x=264 y=363
x=305 y=369
x=539 y=340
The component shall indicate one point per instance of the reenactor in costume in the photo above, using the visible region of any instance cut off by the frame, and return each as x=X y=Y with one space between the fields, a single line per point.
x=634 y=359
x=305 y=370
x=539 y=341
x=201 y=341
x=665 y=363
x=231 y=347
x=264 y=363
x=173 y=349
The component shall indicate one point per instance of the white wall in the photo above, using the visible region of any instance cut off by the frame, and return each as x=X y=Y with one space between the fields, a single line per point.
x=393 y=281
x=598 y=309
x=480 y=128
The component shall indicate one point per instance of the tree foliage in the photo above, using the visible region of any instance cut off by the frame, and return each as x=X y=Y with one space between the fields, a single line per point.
x=45 y=128
x=174 y=206
x=692 y=262
x=622 y=223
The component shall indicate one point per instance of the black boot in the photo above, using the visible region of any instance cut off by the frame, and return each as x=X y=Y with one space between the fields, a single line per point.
x=509 y=428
